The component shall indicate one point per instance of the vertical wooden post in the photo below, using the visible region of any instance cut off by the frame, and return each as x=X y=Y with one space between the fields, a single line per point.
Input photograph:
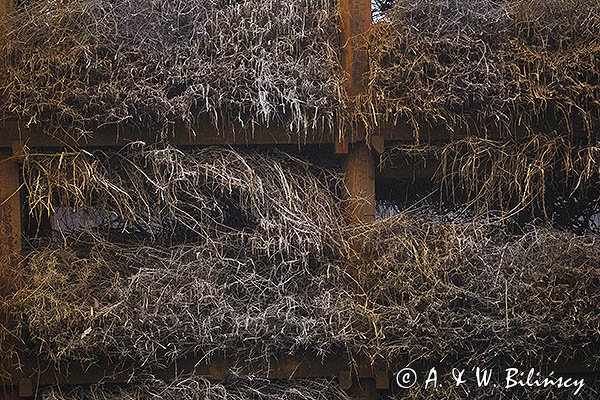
x=356 y=22
x=10 y=218
x=6 y=7
x=10 y=203
x=360 y=164
x=360 y=180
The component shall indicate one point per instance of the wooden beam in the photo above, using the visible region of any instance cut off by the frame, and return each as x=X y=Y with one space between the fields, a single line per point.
x=13 y=134
x=363 y=389
x=6 y=7
x=341 y=146
x=281 y=367
x=202 y=134
x=9 y=393
x=360 y=164
x=356 y=23
x=377 y=143
x=360 y=180
x=10 y=219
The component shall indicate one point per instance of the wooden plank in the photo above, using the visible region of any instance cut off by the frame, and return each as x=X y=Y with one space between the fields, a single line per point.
x=204 y=133
x=345 y=379
x=360 y=180
x=17 y=148
x=11 y=134
x=280 y=367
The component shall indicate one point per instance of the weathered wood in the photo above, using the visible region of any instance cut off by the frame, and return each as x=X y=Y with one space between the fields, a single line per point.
x=206 y=135
x=282 y=367
x=6 y=7
x=377 y=143
x=356 y=22
x=360 y=165
x=342 y=146
x=10 y=235
x=26 y=387
x=10 y=219
x=360 y=180
x=382 y=378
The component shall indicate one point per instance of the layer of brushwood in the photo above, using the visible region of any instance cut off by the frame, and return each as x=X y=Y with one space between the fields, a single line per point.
x=204 y=252
x=79 y=64
x=222 y=253
x=503 y=64
x=474 y=293
x=516 y=66
x=197 y=388
x=531 y=176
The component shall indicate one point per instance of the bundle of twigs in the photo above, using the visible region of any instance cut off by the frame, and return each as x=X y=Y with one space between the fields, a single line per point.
x=476 y=294
x=508 y=177
x=503 y=64
x=76 y=65
x=201 y=252
x=220 y=253
x=154 y=305
x=268 y=204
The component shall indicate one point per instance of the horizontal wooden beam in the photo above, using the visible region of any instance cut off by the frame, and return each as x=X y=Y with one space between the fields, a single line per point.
x=205 y=134
x=283 y=367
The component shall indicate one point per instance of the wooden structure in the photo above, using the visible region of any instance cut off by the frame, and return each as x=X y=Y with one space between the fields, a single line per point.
x=362 y=379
